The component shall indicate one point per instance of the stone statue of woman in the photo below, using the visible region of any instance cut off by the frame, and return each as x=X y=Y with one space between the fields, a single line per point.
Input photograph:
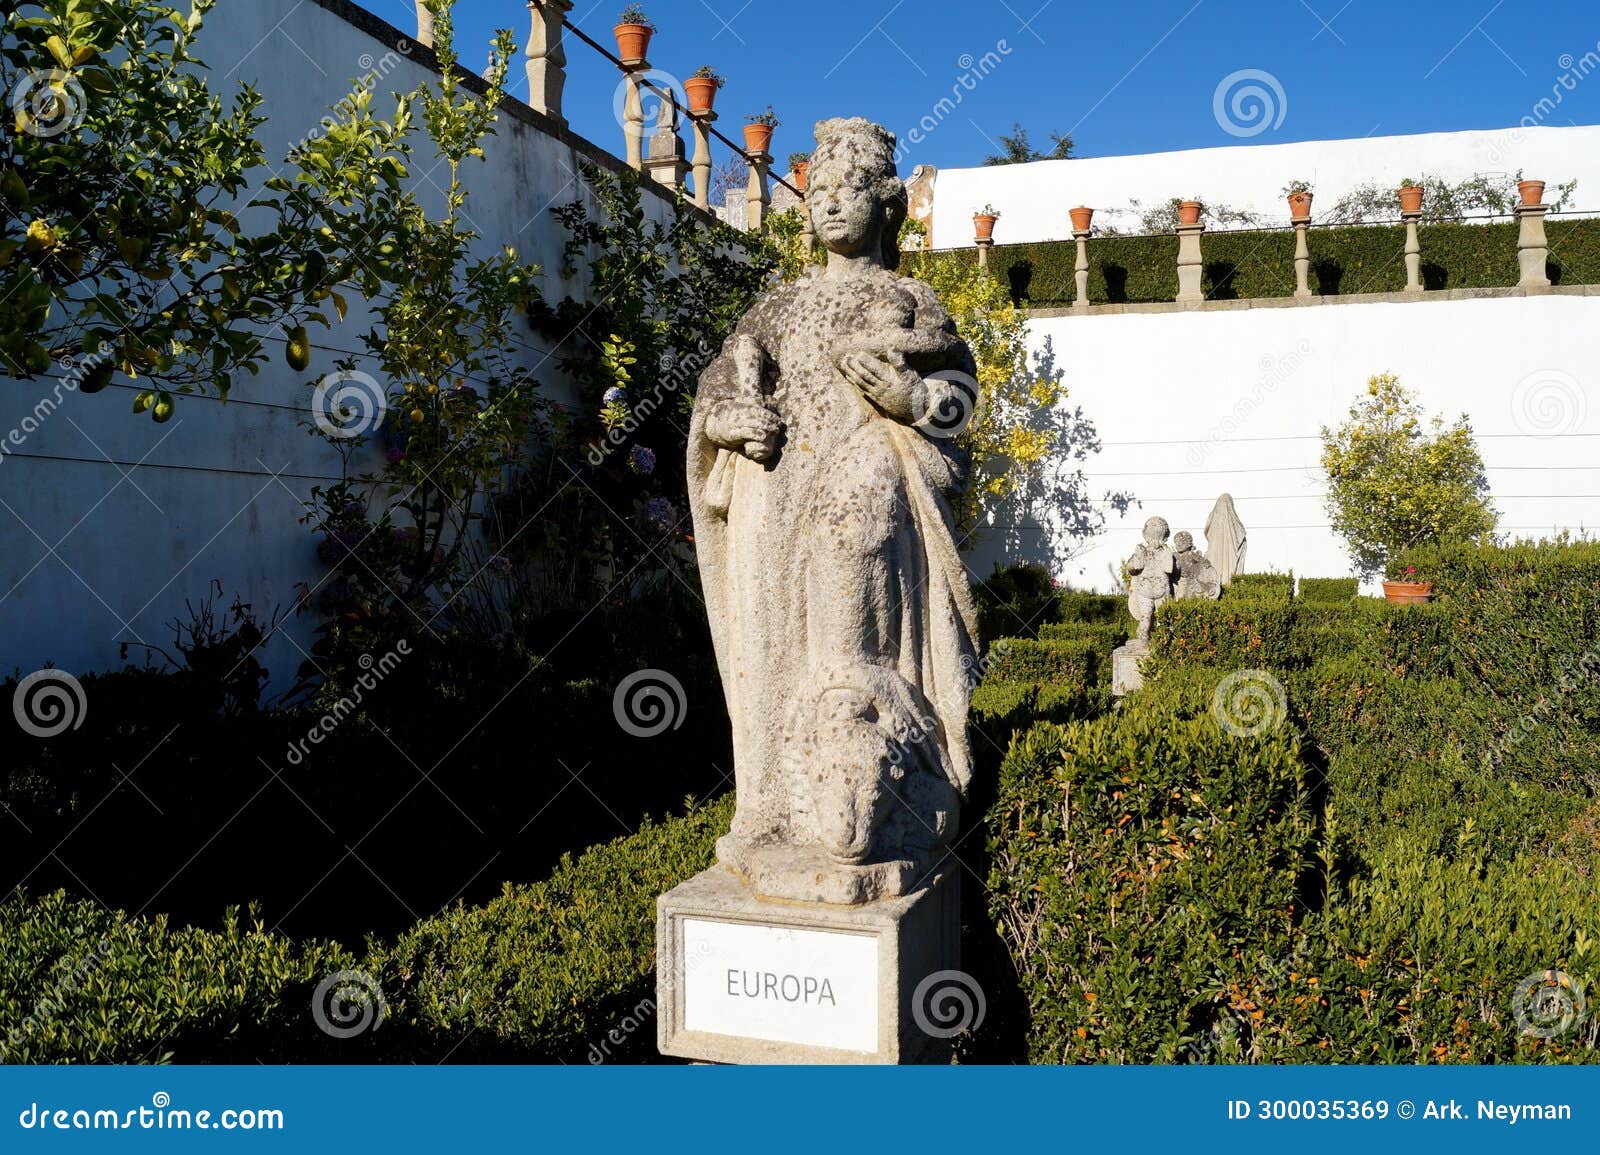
x=822 y=459
x=1225 y=539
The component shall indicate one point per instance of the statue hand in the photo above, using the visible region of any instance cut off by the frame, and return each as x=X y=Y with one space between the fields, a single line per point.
x=895 y=389
x=745 y=428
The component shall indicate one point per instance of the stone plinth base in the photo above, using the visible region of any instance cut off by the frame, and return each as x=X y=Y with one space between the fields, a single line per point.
x=742 y=980
x=1125 y=675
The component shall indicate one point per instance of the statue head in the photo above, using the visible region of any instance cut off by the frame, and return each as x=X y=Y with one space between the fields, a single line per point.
x=1155 y=532
x=1183 y=541
x=856 y=201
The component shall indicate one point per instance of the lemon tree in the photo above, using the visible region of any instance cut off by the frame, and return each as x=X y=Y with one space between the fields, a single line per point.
x=123 y=180
x=1397 y=478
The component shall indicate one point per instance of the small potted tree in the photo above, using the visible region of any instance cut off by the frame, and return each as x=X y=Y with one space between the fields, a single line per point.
x=701 y=88
x=758 y=131
x=1531 y=191
x=1189 y=212
x=1410 y=195
x=633 y=32
x=1298 y=193
x=1397 y=479
x=983 y=221
x=800 y=165
x=1081 y=217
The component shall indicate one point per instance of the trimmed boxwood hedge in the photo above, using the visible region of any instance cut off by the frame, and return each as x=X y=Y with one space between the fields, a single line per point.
x=1345 y=259
x=1332 y=591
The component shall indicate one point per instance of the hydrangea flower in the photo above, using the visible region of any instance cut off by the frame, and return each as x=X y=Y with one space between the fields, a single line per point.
x=615 y=395
x=642 y=459
x=659 y=511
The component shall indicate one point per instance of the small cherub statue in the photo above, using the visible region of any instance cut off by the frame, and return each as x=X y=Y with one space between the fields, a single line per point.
x=909 y=344
x=1151 y=568
x=1197 y=577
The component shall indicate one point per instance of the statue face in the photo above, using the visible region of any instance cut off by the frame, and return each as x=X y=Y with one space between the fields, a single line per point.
x=846 y=214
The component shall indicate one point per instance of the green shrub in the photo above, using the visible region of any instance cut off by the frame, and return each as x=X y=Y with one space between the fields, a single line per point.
x=1142 y=864
x=1236 y=632
x=1277 y=586
x=1014 y=602
x=1077 y=606
x=81 y=984
x=1103 y=637
x=548 y=969
x=1330 y=591
x=1260 y=263
x=1065 y=663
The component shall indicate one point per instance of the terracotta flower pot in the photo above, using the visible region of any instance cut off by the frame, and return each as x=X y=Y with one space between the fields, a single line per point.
x=1531 y=191
x=1080 y=218
x=801 y=168
x=1299 y=205
x=1407 y=593
x=1410 y=198
x=758 y=138
x=633 y=40
x=984 y=223
x=702 y=93
x=1189 y=212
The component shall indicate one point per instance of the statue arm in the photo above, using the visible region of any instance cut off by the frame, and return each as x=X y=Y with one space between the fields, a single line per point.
x=737 y=416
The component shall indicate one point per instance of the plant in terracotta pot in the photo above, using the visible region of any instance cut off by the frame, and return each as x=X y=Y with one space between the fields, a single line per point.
x=1531 y=191
x=1399 y=478
x=1298 y=193
x=1189 y=212
x=1410 y=195
x=758 y=131
x=983 y=221
x=800 y=165
x=1406 y=587
x=633 y=32
x=701 y=88
x=1081 y=217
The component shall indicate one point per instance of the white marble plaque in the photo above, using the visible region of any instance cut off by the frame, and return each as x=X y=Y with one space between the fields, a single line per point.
x=816 y=988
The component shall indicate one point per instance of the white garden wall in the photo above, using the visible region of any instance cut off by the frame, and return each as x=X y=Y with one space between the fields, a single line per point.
x=1191 y=404
x=1033 y=198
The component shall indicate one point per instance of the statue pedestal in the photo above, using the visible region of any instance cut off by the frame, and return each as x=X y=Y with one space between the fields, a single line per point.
x=742 y=980
x=1125 y=675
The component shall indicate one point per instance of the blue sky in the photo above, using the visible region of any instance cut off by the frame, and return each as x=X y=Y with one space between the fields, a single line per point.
x=1121 y=78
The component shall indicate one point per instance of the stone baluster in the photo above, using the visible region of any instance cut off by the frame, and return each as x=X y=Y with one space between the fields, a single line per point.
x=424 y=25
x=1413 y=250
x=1081 y=269
x=665 y=163
x=758 y=194
x=1190 y=269
x=547 y=57
x=1302 y=257
x=1533 y=249
x=702 y=157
